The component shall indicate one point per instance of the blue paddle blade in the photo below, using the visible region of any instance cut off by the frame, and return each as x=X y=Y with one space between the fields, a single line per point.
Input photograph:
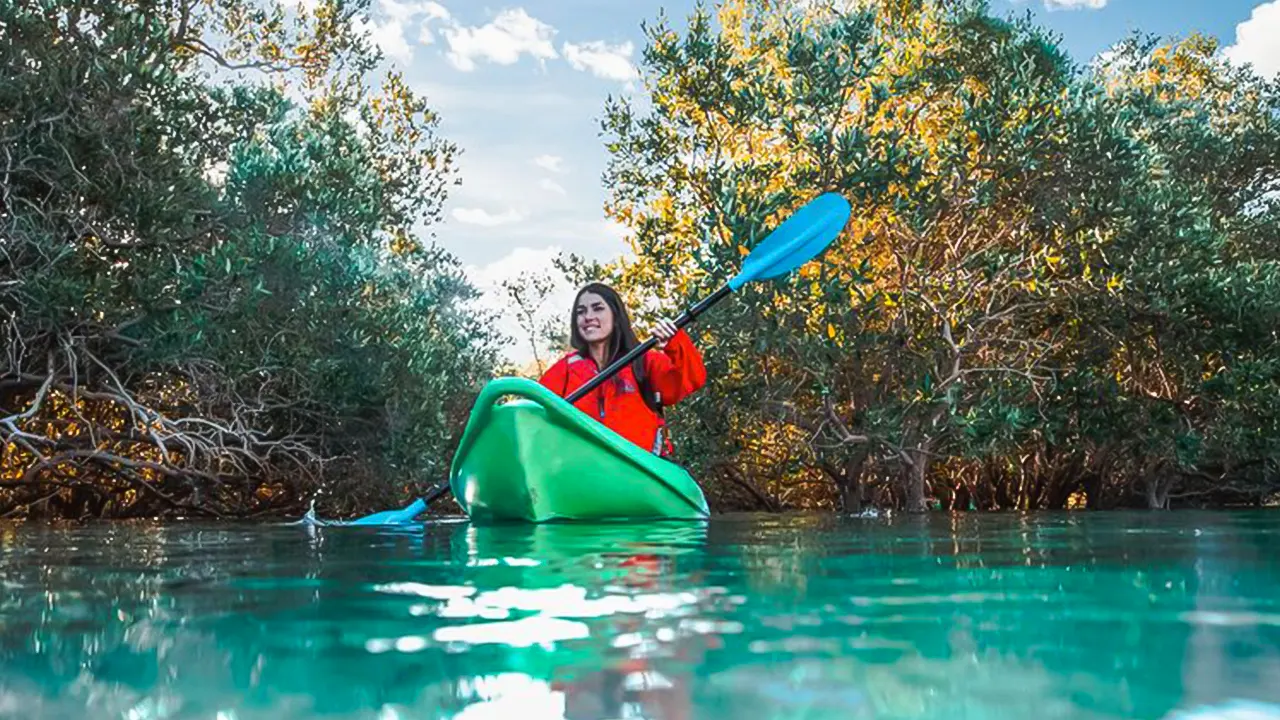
x=392 y=517
x=799 y=239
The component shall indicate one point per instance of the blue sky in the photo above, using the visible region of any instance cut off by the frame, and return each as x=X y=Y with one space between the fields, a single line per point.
x=521 y=84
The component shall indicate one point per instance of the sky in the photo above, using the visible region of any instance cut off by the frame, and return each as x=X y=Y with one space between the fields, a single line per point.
x=521 y=86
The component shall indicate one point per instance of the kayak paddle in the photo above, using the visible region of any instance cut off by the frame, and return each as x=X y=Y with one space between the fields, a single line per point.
x=393 y=517
x=800 y=238
x=403 y=516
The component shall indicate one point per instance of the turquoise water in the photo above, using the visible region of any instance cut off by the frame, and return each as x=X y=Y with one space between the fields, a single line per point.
x=1142 y=615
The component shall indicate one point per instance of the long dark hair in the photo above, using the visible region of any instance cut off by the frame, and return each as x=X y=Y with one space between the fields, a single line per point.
x=621 y=341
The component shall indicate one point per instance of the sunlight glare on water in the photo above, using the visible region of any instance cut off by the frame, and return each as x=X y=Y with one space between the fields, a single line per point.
x=1169 y=616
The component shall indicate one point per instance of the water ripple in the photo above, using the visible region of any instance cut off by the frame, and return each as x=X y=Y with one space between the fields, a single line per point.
x=1052 y=616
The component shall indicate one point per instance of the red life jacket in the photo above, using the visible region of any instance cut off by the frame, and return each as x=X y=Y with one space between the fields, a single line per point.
x=673 y=373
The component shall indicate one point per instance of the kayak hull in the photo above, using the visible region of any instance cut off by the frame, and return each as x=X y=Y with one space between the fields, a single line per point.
x=539 y=459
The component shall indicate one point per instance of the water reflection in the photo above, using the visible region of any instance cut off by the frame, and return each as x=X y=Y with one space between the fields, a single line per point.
x=1013 y=616
x=641 y=583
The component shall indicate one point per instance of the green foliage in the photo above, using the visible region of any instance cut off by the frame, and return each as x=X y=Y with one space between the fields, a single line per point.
x=213 y=293
x=1058 y=282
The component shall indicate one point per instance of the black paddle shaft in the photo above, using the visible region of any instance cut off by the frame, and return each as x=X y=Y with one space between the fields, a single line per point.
x=685 y=318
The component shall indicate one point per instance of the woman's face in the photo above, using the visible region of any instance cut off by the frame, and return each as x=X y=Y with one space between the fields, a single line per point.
x=594 y=318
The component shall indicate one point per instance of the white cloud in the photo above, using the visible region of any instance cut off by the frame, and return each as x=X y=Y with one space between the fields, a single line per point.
x=401 y=12
x=388 y=32
x=614 y=230
x=511 y=34
x=611 y=62
x=389 y=36
x=1054 y=5
x=1075 y=4
x=552 y=186
x=488 y=280
x=484 y=218
x=553 y=163
x=511 y=265
x=1258 y=41
x=432 y=12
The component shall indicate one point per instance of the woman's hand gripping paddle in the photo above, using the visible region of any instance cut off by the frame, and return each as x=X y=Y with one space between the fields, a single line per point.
x=800 y=238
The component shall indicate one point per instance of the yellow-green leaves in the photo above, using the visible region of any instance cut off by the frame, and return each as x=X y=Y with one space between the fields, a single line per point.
x=1016 y=221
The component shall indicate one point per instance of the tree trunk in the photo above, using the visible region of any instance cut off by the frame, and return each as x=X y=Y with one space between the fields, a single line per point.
x=1096 y=469
x=1156 y=486
x=1092 y=483
x=914 y=470
x=1151 y=494
x=1157 y=489
x=848 y=482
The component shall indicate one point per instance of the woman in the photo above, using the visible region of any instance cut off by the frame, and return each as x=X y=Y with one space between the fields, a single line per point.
x=630 y=403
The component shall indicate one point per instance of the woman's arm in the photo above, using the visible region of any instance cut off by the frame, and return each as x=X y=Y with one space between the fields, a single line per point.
x=676 y=371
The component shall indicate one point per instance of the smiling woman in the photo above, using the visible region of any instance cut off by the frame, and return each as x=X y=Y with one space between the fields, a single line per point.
x=631 y=402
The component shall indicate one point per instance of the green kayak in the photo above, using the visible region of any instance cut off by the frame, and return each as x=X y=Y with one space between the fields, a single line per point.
x=536 y=458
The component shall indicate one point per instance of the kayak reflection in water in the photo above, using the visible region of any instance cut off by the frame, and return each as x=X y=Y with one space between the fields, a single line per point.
x=644 y=674
x=631 y=402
